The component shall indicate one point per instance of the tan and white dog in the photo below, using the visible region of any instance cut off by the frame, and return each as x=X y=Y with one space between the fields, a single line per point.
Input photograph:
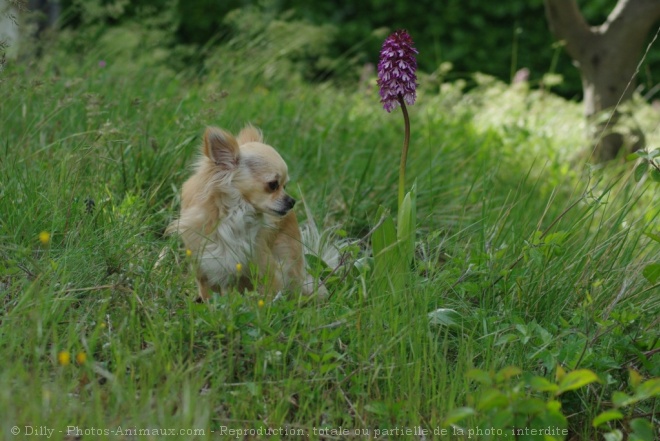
x=237 y=219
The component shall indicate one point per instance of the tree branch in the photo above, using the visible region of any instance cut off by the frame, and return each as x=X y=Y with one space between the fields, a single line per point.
x=647 y=10
x=632 y=19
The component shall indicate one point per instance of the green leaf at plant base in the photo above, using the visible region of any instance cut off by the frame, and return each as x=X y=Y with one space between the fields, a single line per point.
x=607 y=416
x=642 y=430
x=575 y=380
x=407 y=225
x=458 y=414
x=652 y=272
x=389 y=267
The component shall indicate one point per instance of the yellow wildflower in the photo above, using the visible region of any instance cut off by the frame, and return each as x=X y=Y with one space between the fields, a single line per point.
x=188 y=253
x=81 y=358
x=44 y=237
x=239 y=267
x=260 y=303
x=64 y=358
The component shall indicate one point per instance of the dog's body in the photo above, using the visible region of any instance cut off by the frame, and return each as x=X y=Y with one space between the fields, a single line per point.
x=236 y=218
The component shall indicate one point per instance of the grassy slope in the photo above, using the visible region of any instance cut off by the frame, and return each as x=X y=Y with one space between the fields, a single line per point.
x=491 y=171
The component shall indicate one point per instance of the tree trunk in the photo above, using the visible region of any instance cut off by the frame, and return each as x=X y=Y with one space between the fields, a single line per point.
x=607 y=57
x=49 y=12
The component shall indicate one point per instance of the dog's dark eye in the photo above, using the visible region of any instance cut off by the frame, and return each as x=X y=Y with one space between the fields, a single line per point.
x=273 y=185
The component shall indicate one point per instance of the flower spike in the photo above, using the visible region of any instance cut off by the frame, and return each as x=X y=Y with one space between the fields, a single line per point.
x=396 y=70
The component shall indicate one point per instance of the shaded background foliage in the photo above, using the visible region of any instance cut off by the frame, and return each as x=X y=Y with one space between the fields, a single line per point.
x=496 y=38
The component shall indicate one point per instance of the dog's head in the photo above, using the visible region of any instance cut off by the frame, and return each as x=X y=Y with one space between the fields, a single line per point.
x=258 y=172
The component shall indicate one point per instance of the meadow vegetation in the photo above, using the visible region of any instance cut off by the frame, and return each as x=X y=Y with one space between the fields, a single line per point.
x=532 y=301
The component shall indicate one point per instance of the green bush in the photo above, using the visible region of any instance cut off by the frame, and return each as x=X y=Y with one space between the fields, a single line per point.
x=496 y=38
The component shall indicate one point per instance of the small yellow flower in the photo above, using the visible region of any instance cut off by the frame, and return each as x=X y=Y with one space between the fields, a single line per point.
x=81 y=358
x=188 y=253
x=44 y=237
x=239 y=267
x=260 y=303
x=64 y=358
x=102 y=325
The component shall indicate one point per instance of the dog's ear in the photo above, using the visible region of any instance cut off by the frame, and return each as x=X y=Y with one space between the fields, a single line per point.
x=221 y=148
x=250 y=134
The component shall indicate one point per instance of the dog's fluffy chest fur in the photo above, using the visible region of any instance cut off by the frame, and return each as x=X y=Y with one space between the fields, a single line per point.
x=234 y=241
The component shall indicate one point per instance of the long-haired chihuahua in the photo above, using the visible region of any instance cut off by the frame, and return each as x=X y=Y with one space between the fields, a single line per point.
x=237 y=220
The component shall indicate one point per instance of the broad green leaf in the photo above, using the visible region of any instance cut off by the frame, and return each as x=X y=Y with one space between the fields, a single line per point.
x=634 y=378
x=507 y=372
x=502 y=419
x=608 y=415
x=652 y=273
x=632 y=156
x=492 y=399
x=529 y=406
x=640 y=171
x=444 y=317
x=614 y=435
x=642 y=430
x=458 y=414
x=554 y=406
x=621 y=399
x=506 y=338
x=655 y=174
x=552 y=418
x=575 y=380
x=655 y=237
x=648 y=389
x=541 y=384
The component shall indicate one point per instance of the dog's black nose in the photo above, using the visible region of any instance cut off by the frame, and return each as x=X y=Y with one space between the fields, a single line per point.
x=290 y=202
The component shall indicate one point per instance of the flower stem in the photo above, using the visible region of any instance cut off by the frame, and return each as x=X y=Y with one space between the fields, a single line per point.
x=404 y=152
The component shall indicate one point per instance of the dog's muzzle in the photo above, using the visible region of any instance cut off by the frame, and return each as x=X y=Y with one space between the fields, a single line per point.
x=286 y=204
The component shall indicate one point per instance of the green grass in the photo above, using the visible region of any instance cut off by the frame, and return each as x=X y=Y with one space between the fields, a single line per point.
x=540 y=258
